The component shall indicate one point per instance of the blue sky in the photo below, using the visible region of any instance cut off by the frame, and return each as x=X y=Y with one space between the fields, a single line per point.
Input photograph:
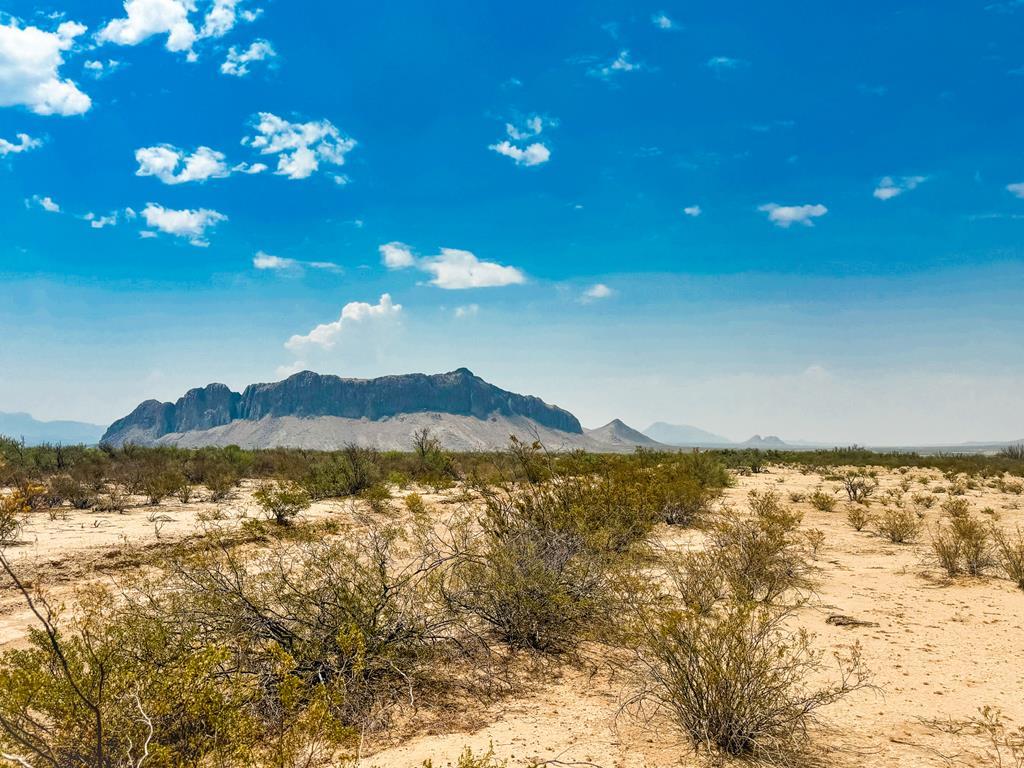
x=791 y=218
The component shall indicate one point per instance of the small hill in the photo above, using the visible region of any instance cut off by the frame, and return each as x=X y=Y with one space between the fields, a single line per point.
x=617 y=433
x=21 y=426
x=684 y=434
x=765 y=443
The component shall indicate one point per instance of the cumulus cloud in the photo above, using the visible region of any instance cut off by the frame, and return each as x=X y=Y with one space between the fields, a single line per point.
x=397 y=256
x=786 y=215
x=173 y=166
x=220 y=19
x=30 y=62
x=99 y=69
x=662 y=21
x=300 y=147
x=188 y=224
x=534 y=154
x=45 y=202
x=147 y=18
x=693 y=211
x=269 y=262
x=890 y=187
x=530 y=127
x=22 y=143
x=597 y=292
x=354 y=314
x=238 y=61
x=452 y=269
x=618 y=65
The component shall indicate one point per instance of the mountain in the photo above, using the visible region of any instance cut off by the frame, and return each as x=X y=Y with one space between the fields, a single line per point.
x=683 y=434
x=764 y=443
x=308 y=410
x=23 y=426
x=619 y=434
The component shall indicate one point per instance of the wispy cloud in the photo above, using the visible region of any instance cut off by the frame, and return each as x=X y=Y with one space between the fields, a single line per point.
x=22 y=143
x=596 y=292
x=894 y=186
x=300 y=147
x=46 y=202
x=662 y=21
x=268 y=262
x=721 y=64
x=238 y=61
x=619 y=65
x=693 y=211
x=1016 y=189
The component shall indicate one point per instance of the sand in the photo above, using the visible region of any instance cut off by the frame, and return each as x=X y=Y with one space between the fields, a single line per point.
x=941 y=648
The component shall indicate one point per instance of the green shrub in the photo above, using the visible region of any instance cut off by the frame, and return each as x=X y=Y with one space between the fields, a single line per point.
x=822 y=501
x=281 y=501
x=900 y=526
x=736 y=679
x=1010 y=553
x=858 y=517
x=13 y=509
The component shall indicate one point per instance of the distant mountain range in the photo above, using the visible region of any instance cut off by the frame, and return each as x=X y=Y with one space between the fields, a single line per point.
x=21 y=426
x=687 y=436
x=308 y=410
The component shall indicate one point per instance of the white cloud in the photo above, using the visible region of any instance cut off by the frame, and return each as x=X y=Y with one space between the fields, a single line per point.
x=173 y=166
x=46 y=203
x=786 y=215
x=220 y=19
x=237 y=62
x=723 y=63
x=356 y=313
x=397 y=256
x=189 y=224
x=534 y=154
x=1016 y=189
x=620 y=64
x=146 y=18
x=266 y=261
x=455 y=270
x=662 y=21
x=452 y=269
x=300 y=147
x=284 y=371
x=532 y=126
x=30 y=61
x=99 y=222
x=100 y=69
x=693 y=211
x=24 y=143
x=597 y=292
x=249 y=170
x=890 y=187
x=470 y=310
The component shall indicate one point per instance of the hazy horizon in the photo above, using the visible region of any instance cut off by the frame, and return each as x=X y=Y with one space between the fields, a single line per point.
x=670 y=213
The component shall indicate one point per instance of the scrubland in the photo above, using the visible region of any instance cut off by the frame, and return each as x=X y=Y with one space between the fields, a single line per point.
x=288 y=608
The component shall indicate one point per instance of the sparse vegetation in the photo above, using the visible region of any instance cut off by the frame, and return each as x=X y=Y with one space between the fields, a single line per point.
x=900 y=526
x=282 y=501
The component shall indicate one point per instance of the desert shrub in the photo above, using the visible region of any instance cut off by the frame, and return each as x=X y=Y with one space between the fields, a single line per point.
x=220 y=481
x=924 y=500
x=1010 y=554
x=761 y=556
x=859 y=486
x=159 y=483
x=68 y=488
x=415 y=505
x=993 y=741
x=964 y=545
x=698 y=580
x=185 y=491
x=114 y=500
x=378 y=497
x=736 y=679
x=431 y=461
x=348 y=472
x=858 y=517
x=13 y=509
x=469 y=759
x=822 y=501
x=814 y=540
x=281 y=501
x=900 y=526
x=796 y=497
x=946 y=548
x=955 y=507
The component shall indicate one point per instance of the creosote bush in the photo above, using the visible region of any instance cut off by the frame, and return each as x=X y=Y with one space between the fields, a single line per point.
x=858 y=517
x=281 y=501
x=13 y=509
x=822 y=501
x=900 y=526
x=1010 y=554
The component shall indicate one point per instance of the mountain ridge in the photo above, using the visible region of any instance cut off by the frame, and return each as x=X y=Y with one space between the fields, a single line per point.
x=310 y=396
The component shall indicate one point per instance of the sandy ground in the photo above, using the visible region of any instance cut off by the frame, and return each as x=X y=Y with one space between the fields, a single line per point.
x=941 y=648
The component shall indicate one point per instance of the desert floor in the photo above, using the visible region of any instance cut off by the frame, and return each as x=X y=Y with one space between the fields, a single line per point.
x=938 y=649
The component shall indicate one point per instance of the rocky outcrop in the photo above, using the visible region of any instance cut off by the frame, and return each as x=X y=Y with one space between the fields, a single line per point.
x=309 y=395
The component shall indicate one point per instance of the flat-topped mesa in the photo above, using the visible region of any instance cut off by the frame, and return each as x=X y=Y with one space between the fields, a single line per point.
x=309 y=395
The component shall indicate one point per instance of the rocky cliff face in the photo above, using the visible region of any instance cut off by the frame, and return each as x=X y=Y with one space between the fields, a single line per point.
x=309 y=395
